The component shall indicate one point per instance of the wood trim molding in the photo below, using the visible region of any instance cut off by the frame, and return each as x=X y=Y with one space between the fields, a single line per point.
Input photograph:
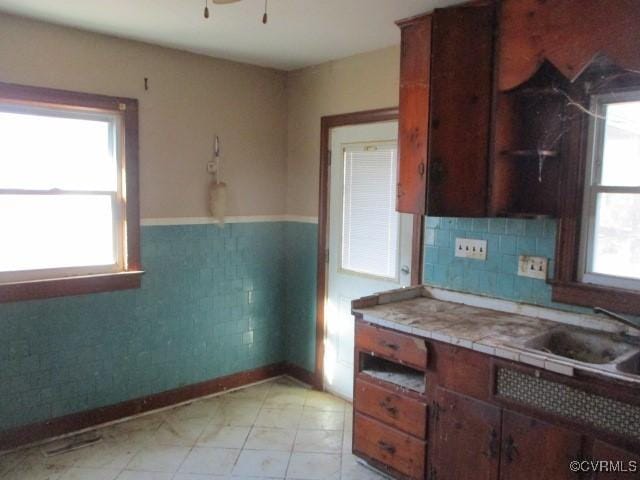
x=127 y=109
x=326 y=124
x=565 y=286
x=301 y=374
x=20 y=436
x=59 y=287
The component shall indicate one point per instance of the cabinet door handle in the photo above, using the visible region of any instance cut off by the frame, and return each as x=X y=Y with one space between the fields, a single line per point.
x=421 y=169
x=493 y=444
x=511 y=449
x=387 y=447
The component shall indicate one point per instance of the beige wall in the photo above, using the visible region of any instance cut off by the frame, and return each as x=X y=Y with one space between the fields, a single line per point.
x=191 y=98
x=361 y=82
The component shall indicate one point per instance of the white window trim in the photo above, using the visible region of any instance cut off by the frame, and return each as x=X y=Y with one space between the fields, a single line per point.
x=592 y=189
x=116 y=134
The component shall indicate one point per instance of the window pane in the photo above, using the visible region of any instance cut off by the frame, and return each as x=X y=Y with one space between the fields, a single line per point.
x=55 y=231
x=617 y=235
x=46 y=152
x=370 y=221
x=621 y=150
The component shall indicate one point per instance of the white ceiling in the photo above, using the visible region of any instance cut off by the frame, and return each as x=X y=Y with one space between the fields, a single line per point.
x=299 y=32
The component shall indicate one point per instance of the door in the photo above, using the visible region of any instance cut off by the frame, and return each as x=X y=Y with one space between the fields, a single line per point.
x=466 y=439
x=461 y=87
x=369 y=242
x=536 y=450
x=415 y=73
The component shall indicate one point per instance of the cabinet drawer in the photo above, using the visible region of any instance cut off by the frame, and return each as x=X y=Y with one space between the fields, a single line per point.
x=396 y=346
x=391 y=408
x=397 y=450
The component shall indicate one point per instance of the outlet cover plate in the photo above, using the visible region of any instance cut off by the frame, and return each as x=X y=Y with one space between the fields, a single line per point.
x=471 y=248
x=532 y=267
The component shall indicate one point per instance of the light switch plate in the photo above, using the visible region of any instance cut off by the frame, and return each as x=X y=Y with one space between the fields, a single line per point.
x=471 y=248
x=533 y=267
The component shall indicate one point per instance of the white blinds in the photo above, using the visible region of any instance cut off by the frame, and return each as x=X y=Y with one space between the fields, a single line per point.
x=369 y=221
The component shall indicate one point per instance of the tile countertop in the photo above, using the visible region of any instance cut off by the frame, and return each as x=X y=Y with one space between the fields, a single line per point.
x=495 y=327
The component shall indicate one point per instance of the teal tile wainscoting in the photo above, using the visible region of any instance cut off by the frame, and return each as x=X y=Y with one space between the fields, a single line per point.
x=213 y=302
x=300 y=299
x=506 y=238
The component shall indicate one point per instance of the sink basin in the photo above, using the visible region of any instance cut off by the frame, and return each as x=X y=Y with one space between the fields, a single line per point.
x=630 y=365
x=586 y=347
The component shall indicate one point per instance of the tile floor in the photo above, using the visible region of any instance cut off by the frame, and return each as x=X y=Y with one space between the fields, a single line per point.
x=276 y=429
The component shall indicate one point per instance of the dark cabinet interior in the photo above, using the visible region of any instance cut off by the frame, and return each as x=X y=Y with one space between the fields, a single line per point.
x=531 y=124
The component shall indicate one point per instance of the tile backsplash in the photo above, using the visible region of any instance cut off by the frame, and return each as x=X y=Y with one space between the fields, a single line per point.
x=506 y=238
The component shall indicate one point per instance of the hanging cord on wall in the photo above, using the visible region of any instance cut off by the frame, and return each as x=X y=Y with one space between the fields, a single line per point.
x=206 y=8
x=265 y=17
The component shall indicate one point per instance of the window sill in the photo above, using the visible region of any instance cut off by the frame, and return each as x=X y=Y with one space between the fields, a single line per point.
x=588 y=295
x=62 y=287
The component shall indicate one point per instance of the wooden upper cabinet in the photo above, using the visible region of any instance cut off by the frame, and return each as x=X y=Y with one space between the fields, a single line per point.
x=569 y=34
x=466 y=442
x=415 y=67
x=461 y=87
x=446 y=80
x=536 y=450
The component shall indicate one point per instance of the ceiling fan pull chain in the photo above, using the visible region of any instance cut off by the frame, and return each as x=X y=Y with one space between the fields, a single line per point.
x=265 y=17
x=206 y=8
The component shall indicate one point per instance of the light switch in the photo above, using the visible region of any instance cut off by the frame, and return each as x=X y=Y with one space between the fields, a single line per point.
x=533 y=267
x=471 y=248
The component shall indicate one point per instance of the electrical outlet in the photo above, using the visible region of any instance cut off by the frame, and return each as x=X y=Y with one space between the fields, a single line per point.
x=471 y=248
x=533 y=267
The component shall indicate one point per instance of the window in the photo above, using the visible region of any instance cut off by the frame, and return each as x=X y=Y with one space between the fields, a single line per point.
x=610 y=240
x=370 y=223
x=68 y=193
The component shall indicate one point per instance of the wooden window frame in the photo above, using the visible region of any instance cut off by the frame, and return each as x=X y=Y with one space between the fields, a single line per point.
x=130 y=275
x=566 y=286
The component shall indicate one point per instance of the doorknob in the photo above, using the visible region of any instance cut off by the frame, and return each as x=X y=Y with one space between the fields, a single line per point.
x=405 y=269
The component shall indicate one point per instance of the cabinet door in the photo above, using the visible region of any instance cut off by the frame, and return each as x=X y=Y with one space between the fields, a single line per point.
x=413 y=114
x=461 y=92
x=628 y=463
x=535 y=450
x=466 y=439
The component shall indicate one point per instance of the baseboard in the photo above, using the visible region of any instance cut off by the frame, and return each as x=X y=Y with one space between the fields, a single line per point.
x=16 y=437
x=301 y=374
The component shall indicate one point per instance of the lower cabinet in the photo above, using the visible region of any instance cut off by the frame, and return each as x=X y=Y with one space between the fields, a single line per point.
x=466 y=438
x=474 y=439
x=456 y=429
x=536 y=450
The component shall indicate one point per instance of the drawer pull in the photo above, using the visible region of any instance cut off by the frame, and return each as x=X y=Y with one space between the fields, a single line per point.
x=390 y=346
x=387 y=447
x=393 y=411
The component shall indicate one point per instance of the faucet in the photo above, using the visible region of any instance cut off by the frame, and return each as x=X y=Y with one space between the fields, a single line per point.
x=626 y=321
